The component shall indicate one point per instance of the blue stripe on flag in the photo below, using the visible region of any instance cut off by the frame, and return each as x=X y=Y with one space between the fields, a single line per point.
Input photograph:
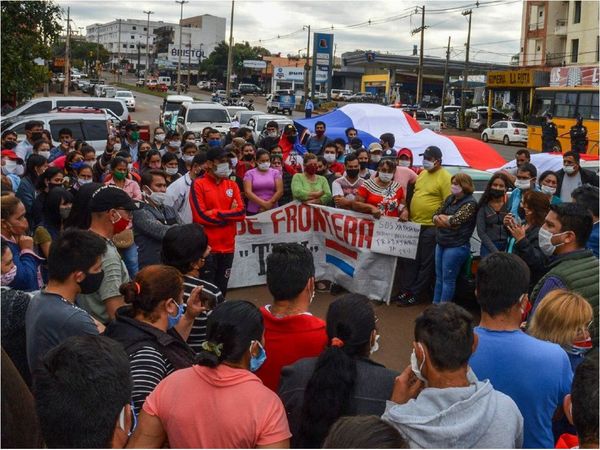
x=340 y=264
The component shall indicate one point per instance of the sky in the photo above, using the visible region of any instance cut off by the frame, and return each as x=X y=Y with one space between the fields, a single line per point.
x=495 y=33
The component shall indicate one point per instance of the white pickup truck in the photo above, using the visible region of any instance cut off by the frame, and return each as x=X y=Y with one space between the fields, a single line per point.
x=425 y=121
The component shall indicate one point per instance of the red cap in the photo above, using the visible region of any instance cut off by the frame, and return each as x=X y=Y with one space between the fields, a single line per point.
x=10 y=154
x=404 y=152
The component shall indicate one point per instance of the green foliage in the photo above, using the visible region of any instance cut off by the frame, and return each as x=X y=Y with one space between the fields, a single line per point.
x=28 y=29
x=82 y=52
x=216 y=63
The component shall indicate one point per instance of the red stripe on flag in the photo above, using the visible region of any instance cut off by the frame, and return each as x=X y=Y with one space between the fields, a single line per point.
x=414 y=125
x=340 y=248
x=477 y=154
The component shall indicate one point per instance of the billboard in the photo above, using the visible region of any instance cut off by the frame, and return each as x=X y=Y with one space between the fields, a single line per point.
x=195 y=53
x=295 y=74
x=322 y=58
x=255 y=64
x=574 y=76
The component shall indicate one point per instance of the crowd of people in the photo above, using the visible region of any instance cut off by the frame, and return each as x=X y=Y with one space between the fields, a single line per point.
x=115 y=269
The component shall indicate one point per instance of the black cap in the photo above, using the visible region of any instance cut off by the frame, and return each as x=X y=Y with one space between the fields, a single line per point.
x=390 y=153
x=548 y=115
x=432 y=152
x=290 y=127
x=356 y=143
x=111 y=197
x=216 y=153
x=132 y=126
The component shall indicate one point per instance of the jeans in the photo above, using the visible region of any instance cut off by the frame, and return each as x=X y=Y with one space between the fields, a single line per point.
x=307 y=113
x=217 y=269
x=500 y=245
x=130 y=258
x=448 y=263
x=414 y=276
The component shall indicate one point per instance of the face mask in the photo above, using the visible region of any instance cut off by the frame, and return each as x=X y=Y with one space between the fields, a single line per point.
x=264 y=166
x=386 y=177
x=120 y=224
x=455 y=189
x=414 y=365
x=171 y=170
x=375 y=158
x=64 y=212
x=81 y=181
x=375 y=346
x=319 y=132
x=89 y=163
x=214 y=143
x=545 y=241
x=91 y=283
x=159 y=137
x=496 y=193
x=292 y=138
x=428 y=165
x=119 y=176
x=248 y=157
x=10 y=168
x=329 y=157
x=222 y=170
x=174 y=320
x=547 y=190
x=117 y=147
x=352 y=173
x=188 y=158
x=234 y=162
x=175 y=144
x=9 y=276
x=404 y=163
x=191 y=140
x=45 y=154
x=363 y=165
x=579 y=348
x=273 y=134
x=569 y=170
x=311 y=169
x=135 y=135
x=523 y=184
x=257 y=361
x=54 y=185
x=158 y=197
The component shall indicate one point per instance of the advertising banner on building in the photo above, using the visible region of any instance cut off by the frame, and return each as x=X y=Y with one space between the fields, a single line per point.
x=254 y=64
x=342 y=242
x=323 y=58
x=195 y=53
x=295 y=74
x=575 y=76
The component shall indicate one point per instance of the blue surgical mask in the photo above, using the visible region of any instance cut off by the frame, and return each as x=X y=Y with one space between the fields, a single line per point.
x=174 y=320
x=257 y=361
x=214 y=143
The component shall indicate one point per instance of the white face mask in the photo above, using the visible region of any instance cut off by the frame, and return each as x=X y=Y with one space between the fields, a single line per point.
x=222 y=170
x=158 y=197
x=175 y=144
x=171 y=170
x=375 y=346
x=159 y=137
x=45 y=154
x=234 y=162
x=569 y=170
x=428 y=165
x=386 y=177
x=375 y=158
x=264 y=166
x=81 y=181
x=523 y=184
x=404 y=163
x=188 y=158
x=414 y=364
x=12 y=168
x=329 y=157
x=547 y=190
x=545 y=241
x=117 y=147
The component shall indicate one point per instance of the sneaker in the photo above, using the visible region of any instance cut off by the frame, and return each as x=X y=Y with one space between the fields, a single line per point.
x=407 y=299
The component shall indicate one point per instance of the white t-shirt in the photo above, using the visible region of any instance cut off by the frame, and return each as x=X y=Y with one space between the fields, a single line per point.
x=569 y=184
x=178 y=196
x=344 y=188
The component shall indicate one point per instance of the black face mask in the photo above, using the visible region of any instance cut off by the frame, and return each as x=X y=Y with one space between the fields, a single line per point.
x=363 y=165
x=496 y=193
x=352 y=173
x=54 y=185
x=248 y=157
x=36 y=136
x=91 y=283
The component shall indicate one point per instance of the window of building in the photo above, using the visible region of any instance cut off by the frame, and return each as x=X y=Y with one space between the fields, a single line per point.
x=132 y=36
x=577 y=12
x=124 y=45
x=574 y=50
x=132 y=46
x=145 y=29
x=133 y=28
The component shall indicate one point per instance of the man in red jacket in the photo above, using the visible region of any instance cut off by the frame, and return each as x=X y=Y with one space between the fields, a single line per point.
x=217 y=204
x=291 y=332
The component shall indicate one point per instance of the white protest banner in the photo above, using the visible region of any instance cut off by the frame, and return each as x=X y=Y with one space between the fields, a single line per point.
x=340 y=241
x=396 y=238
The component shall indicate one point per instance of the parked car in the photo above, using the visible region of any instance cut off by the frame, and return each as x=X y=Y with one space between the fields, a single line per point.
x=507 y=132
x=195 y=116
x=283 y=103
x=341 y=94
x=164 y=80
x=424 y=120
x=258 y=124
x=151 y=84
x=248 y=88
x=128 y=97
x=170 y=107
x=203 y=85
x=364 y=97
x=140 y=82
x=109 y=91
x=233 y=110
x=244 y=116
x=479 y=121
x=449 y=110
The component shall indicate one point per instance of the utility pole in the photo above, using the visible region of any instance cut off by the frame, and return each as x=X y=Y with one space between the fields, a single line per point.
x=421 y=29
x=307 y=65
x=181 y=2
x=97 y=52
x=148 y=43
x=68 y=55
x=118 y=71
x=139 y=49
x=469 y=13
x=230 y=53
x=189 y=60
x=445 y=81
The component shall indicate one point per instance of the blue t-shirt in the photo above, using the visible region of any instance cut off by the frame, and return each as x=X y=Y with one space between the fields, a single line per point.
x=593 y=241
x=535 y=374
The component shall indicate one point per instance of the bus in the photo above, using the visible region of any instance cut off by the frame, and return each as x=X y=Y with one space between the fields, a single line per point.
x=565 y=104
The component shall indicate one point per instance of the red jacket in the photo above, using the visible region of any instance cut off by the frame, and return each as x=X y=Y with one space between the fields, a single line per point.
x=287 y=340
x=337 y=167
x=213 y=206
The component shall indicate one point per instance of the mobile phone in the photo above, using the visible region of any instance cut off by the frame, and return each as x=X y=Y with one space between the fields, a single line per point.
x=208 y=301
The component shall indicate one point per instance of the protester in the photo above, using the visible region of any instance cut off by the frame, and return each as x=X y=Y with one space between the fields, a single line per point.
x=33 y=132
x=57 y=208
x=308 y=187
x=431 y=189
x=42 y=148
x=85 y=175
x=454 y=221
x=65 y=136
x=153 y=326
x=186 y=248
x=14 y=228
x=330 y=156
x=81 y=216
x=173 y=143
x=490 y=215
x=572 y=175
x=13 y=168
x=113 y=147
x=563 y=317
x=363 y=160
x=363 y=432
x=9 y=136
x=342 y=381
x=217 y=204
x=572 y=266
x=548 y=181
x=84 y=373
x=111 y=209
x=291 y=332
x=525 y=181
x=381 y=195
x=375 y=153
x=522 y=157
x=74 y=267
x=220 y=381
x=153 y=219
x=178 y=193
x=158 y=142
x=405 y=159
x=323 y=171
x=535 y=374
x=188 y=151
x=272 y=137
x=345 y=189
x=587 y=196
x=286 y=178
x=121 y=178
x=131 y=141
x=36 y=165
x=170 y=165
x=387 y=141
x=151 y=161
x=263 y=185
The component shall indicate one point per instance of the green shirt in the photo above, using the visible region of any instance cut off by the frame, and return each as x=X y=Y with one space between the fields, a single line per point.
x=301 y=187
x=431 y=189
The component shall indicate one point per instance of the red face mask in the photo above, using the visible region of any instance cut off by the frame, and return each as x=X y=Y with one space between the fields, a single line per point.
x=120 y=225
x=311 y=169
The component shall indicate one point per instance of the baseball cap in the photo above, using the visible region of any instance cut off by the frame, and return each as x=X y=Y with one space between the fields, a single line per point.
x=10 y=154
x=405 y=152
x=375 y=147
x=432 y=152
x=111 y=197
x=390 y=153
x=290 y=127
x=216 y=153
x=131 y=126
x=234 y=124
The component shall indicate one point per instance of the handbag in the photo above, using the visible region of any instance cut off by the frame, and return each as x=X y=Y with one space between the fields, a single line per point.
x=124 y=239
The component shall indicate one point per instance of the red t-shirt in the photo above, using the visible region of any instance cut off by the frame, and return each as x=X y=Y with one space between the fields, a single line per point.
x=337 y=167
x=387 y=199
x=287 y=340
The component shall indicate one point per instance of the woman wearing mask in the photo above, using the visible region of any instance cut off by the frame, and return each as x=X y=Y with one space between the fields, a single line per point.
x=263 y=185
x=89 y=155
x=73 y=160
x=50 y=179
x=188 y=151
x=57 y=208
x=405 y=159
x=524 y=237
x=491 y=213
x=455 y=221
x=173 y=143
x=120 y=171
x=381 y=195
x=286 y=178
x=308 y=187
x=548 y=183
x=247 y=162
x=221 y=381
x=14 y=228
x=153 y=326
x=170 y=164
x=36 y=165
x=84 y=175
x=144 y=148
x=159 y=139
x=564 y=317
x=152 y=161
x=405 y=174
x=41 y=147
x=188 y=136
x=363 y=160
x=81 y=216
x=343 y=380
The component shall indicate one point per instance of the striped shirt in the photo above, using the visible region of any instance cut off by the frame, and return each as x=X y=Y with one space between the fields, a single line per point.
x=198 y=333
x=148 y=368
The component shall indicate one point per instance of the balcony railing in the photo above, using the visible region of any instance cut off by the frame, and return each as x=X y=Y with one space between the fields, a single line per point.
x=560 y=28
x=536 y=26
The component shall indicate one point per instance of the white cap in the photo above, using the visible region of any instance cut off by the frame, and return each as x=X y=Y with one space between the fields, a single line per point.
x=234 y=124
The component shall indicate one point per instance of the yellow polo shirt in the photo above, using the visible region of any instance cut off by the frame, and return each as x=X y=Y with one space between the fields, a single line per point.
x=431 y=189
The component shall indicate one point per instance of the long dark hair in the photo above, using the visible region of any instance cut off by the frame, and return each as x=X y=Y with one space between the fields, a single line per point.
x=350 y=323
x=486 y=197
x=80 y=216
x=51 y=208
x=33 y=162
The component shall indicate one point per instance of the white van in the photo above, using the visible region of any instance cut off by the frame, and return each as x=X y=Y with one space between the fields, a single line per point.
x=41 y=105
x=195 y=116
x=164 y=80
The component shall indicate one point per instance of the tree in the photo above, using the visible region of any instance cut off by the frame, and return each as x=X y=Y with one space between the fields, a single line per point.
x=28 y=30
x=83 y=53
x=216 y=64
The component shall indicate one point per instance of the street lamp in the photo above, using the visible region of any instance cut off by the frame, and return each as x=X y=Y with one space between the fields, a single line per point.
x=147 y=45
x=181 y=2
